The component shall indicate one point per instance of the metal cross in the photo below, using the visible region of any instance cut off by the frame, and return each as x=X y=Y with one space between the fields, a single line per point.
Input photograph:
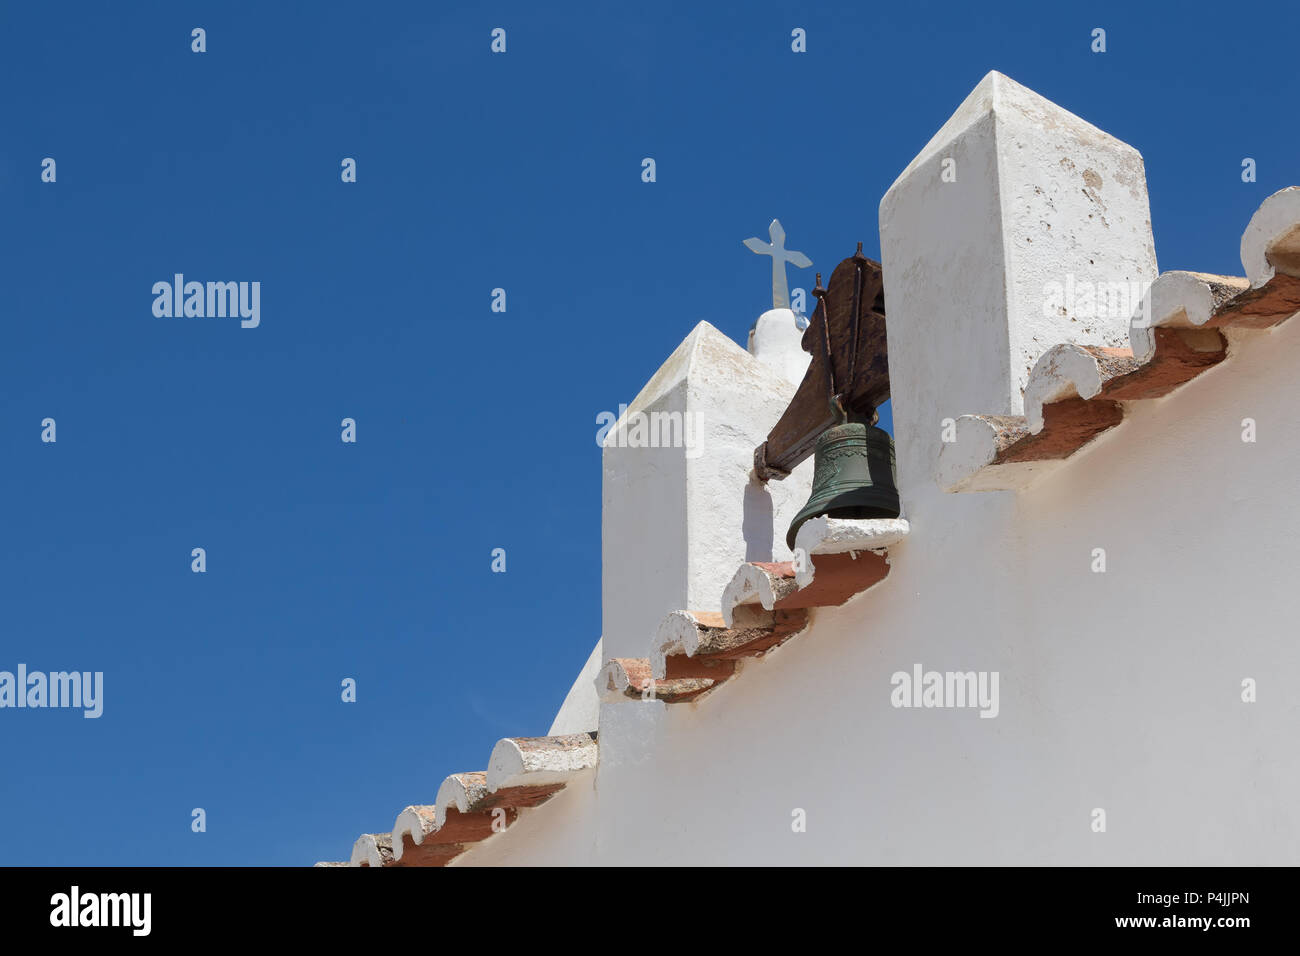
x=780 y=256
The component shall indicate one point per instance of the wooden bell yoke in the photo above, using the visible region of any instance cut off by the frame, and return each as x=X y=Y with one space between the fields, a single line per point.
x=846 y=338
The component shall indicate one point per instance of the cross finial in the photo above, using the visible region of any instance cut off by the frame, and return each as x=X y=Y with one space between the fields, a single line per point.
x=780 y=256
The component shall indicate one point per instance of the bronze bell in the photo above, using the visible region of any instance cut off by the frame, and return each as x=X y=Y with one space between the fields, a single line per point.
x=853 y=475
x=833 y=412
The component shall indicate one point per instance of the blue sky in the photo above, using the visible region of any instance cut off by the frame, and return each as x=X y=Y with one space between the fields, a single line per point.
x=475 y=429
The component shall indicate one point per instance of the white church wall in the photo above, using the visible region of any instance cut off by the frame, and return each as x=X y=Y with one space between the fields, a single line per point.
x=560 y=832
x=1118 y=690
x=580 y=710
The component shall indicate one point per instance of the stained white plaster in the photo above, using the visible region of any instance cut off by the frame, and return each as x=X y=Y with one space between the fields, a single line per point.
x=366 y=850
x=1175 y=299
x=840 y=535
x=1271 y=242
x=612 y=680
x=560 y=832
x=454 y=794
x=823 y=535
x=963 y=462
x=1040 y=196
x=677 y=634
x=676 y=522
x=1063 y=371
x=749 y=585
x=1119 y=690
x=516 y=765
x=410 y=822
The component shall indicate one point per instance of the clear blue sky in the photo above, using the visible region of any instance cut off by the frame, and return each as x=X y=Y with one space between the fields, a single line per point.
x=476 y=430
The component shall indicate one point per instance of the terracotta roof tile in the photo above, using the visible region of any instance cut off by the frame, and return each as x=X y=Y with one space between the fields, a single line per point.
x=535 y=762
x=631 y=677
x=1075 y=393
x=707 y=647
x=765 y=605
x=522 y=772
x=373 y=849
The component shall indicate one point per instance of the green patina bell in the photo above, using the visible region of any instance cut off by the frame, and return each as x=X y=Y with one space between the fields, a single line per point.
x=853 y=476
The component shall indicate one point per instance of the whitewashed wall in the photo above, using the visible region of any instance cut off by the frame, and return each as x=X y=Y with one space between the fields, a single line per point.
x=1118 y=690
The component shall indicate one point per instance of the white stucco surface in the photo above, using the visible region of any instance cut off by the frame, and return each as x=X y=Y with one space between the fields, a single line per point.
x=1119 y=689
x=776 y=340
x=581 y=708
x=677 y=521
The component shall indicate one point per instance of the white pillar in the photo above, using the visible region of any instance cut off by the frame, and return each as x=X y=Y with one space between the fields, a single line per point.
x=679 y=518
x=988 y=240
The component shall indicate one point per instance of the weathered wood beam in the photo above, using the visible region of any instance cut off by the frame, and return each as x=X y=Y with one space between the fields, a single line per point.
x=846 y=338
